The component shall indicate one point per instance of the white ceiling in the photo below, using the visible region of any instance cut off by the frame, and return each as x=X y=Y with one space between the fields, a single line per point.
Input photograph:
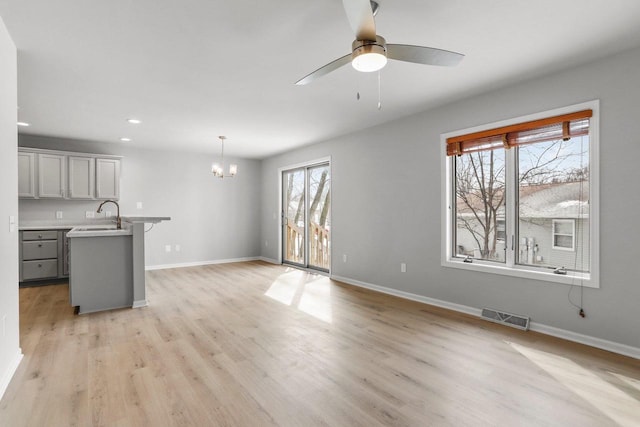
x=195 y=69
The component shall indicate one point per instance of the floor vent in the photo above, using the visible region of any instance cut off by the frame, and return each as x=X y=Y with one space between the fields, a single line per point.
x=513 y=320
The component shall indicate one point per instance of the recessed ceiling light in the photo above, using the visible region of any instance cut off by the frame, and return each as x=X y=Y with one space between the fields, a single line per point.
x=124 y=139
x=24 y=124
x=134 y=121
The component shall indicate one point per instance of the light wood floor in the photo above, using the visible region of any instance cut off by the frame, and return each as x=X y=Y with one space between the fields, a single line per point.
x=253 y=344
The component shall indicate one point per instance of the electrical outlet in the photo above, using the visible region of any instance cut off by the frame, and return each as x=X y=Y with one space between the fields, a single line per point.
x=139 y=205
x=344 y=258
x=403 y=267
x=89 y=214
x=178 y=248
x=167 y=248
x=107 y=214
x=58 y=214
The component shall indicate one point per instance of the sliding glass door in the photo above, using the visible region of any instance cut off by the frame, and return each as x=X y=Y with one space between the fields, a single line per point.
x=306 y=216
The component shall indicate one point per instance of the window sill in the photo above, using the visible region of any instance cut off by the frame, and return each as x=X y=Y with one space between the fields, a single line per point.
x=570 y=278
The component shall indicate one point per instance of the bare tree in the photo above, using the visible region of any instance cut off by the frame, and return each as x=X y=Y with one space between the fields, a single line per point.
x=480 y=189
x=325 y=209
x=319 y=191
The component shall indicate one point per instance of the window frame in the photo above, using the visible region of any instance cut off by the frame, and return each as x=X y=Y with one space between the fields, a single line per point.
x=511 y=268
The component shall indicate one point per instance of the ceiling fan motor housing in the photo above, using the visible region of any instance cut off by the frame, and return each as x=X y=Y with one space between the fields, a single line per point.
x=369 y=55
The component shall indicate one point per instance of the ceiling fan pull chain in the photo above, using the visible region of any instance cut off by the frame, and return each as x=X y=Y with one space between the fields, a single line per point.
x=379 y=96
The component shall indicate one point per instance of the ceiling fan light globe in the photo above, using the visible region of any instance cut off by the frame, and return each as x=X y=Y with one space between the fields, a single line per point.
x=369 y=62
x=369 y=55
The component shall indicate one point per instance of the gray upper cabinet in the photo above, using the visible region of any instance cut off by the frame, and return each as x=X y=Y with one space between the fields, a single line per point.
x=67 y=175
x=107 y=178
x=52 y=176
x=82 y=175
x=26 y=174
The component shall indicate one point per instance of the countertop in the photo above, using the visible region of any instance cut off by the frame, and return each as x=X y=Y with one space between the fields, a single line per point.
x=58 y=224
x=90 y=228
x=63 y=224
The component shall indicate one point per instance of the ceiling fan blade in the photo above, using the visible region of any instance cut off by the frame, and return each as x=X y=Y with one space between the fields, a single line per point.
x=326 y=69
x=423 y=55
x=360 y=16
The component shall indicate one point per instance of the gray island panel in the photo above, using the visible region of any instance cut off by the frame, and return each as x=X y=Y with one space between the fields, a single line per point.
x=101 y=270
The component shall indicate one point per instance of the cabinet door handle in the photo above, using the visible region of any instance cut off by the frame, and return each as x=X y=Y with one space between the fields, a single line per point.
x=39 y=265
x=39 y=236
x=39 y=245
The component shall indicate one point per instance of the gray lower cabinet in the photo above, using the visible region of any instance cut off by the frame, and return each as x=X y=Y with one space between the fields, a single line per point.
x=45 y=249
x=43 y=255
x=40 y=269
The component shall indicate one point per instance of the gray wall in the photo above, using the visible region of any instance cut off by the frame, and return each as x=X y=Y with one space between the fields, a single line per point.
x=9 y=341
x=386 y=202
x=211 y=219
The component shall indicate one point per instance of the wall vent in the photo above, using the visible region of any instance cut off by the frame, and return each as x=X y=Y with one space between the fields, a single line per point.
x=509 y=319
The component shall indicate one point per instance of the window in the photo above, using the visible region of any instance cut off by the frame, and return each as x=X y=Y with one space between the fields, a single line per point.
x=519 y=197
x=564 y=234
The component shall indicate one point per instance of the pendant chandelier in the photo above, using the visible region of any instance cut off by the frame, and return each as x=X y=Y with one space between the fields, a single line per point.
x=218 y=169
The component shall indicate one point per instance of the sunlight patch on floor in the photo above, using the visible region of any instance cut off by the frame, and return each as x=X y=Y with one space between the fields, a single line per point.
x=613 y=402
x=284 y=288
x=310 y=293
x=316 y=299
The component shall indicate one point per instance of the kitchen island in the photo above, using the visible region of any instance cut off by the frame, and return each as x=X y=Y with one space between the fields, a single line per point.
x=106 y=268
x=100 y=268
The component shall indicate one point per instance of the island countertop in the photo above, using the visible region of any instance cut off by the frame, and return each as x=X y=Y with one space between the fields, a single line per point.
x=97 y=231
x=127 y=227
x=146 y=219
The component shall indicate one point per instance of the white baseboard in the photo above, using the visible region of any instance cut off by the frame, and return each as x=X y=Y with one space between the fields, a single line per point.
x=269 y=260
x=614 y=347
x=9 y=372
x=139 y=303
x=198 y=263
x=413 y=297
x=611 y=346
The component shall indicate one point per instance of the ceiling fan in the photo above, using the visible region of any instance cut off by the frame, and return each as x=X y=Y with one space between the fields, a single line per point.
x=370 y=51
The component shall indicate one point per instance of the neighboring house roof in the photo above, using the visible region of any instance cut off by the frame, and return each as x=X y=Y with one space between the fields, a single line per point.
x=554 y=200
x=558 y=200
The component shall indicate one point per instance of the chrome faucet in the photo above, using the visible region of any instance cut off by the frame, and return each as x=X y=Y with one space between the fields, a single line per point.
x=118 y=219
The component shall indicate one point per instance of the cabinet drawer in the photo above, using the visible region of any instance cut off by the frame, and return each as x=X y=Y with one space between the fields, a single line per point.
x=40 y=235
x=39 y=269
x=42 y=249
